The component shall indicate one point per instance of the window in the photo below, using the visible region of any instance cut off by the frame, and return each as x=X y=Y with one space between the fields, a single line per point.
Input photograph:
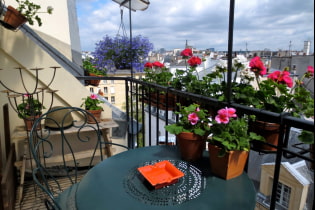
x=173 y=116
x=105 y=81
x=112 y=90
x=91 y=90
x=112 y=82
x=153 y=109
x=283 y=195
x=106 y=98
x=112 y=99
x=105 y=90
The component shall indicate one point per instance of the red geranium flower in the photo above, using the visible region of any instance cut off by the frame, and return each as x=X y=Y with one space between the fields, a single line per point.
x=186 y=53
x=194 y=61
x=148 y=65
x=158 y=64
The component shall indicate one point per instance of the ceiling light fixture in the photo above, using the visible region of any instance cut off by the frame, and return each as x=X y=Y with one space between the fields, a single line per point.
x=135 y=4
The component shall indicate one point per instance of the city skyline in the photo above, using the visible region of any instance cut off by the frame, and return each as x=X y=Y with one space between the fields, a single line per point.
x=204 y=24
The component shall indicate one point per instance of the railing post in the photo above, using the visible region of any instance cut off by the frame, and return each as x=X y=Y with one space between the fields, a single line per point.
x=230 y=51
x=278 y=162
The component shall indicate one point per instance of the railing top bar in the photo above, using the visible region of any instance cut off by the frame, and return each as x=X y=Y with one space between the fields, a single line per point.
x=100 y=78
x=299 y=123
x=260 y=114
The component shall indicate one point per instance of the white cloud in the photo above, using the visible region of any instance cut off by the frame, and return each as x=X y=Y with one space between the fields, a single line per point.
x=204 y=23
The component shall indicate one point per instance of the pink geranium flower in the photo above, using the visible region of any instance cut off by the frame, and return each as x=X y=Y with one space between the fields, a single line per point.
x=93 y=96
x=222 y=119
x=257 y=66
x=193 y=118
x=225 y=114
x=281 y=78
x=310 y=70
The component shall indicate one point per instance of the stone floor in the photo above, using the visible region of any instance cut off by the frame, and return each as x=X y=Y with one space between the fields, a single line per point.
x=33 y=197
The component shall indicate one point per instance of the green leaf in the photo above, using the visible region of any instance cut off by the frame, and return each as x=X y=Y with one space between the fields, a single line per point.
x=306 y=137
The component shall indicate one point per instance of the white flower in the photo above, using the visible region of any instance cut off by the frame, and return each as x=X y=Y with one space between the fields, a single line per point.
x=246 y=74
x=50 y=9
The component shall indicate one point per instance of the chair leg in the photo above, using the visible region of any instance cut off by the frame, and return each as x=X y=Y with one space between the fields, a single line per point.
x=108 y=147
x=21 y=166
x=49 y=205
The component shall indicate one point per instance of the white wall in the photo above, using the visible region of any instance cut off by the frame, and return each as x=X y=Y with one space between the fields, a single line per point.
x=18 y=50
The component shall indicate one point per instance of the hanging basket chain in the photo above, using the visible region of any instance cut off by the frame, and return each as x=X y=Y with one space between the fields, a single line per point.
x=122 y=25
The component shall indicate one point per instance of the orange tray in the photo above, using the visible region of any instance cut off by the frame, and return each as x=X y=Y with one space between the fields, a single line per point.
x=161 y=174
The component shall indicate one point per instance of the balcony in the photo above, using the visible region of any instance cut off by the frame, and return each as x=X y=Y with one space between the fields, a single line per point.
x=148 y=117
x=152 y=114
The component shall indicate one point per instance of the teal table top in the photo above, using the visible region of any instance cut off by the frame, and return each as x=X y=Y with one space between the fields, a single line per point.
x=115 y=184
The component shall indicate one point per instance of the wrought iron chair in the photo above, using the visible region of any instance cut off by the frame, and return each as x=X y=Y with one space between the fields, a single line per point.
x=65 y=149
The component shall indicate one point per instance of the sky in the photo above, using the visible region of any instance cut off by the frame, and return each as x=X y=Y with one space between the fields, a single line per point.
x=168 y=24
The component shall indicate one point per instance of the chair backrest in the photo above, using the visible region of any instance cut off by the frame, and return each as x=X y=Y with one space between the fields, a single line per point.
x=62 y=152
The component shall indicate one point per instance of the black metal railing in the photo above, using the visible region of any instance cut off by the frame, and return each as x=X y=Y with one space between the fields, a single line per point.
x=146 y=106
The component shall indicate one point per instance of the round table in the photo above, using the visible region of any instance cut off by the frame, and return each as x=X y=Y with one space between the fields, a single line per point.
x=111 y=183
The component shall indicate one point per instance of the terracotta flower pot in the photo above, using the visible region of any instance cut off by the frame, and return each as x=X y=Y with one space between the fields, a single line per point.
x=96 y=114
x=13 y=18
x=270 y=131
x=93 y=82
x=227 y=167
x=29 y=122
x=191 y=146
x=161 y=101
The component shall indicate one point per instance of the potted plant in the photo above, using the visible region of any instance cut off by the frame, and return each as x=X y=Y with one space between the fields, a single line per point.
x=215 y=84
x=277 y=93
x=116 y=52
x=91 y=70
x=91 y=104
x=307 y=137
x=188 y=79
x=229 y=143
x=29 y=110
x=191 y=130
x=157 y=73
x=26 y=11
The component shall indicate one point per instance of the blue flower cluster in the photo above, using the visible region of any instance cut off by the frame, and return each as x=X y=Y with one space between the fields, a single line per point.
x=117 y=53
